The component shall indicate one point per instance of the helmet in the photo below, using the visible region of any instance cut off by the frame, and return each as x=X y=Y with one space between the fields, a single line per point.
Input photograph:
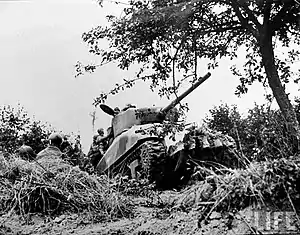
x=65 y=137
x=127 y=106
x=100 y=131
x=55 y=139
x=117 y=110
x=26 y=151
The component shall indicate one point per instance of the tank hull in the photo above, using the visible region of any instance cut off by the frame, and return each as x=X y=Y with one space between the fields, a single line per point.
x=124 y=145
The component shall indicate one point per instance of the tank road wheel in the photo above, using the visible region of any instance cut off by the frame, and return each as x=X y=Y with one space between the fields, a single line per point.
x=151 y=153
x=155 y=164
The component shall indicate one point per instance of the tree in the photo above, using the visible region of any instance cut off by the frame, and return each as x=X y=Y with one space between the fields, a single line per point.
x=13 y=122
x=36 y=135
x=229 y=121
x=259 y=135
x=17 y=128
x=169 y=36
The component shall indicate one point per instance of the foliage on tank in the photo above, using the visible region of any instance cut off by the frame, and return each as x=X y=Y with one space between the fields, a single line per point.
x=203 y=137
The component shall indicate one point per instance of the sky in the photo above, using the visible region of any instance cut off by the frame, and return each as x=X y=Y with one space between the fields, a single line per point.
x=40 y=43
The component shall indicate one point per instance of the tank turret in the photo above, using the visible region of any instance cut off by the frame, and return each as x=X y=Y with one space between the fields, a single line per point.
x=140 y=116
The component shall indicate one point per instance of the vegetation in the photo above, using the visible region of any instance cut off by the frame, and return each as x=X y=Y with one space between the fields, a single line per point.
x=161 y=36
x=262 y=134
x=53 y=187
x=271 y=182
x=167 y=39
x=17 y=128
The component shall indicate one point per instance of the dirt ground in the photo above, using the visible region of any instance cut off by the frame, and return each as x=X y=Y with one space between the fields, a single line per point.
x=149 y=217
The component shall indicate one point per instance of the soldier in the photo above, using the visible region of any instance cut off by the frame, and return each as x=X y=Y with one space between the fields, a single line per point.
x=117 y=111
x=26 y=152
x=109 y=137
x=100 y=135
x=100 y=132
x=127 y=106
x=94 y=153
x=65 y=146
x=53 y=149
x=70 y=154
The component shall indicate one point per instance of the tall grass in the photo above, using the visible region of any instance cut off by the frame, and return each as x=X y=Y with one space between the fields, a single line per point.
x=53 y=187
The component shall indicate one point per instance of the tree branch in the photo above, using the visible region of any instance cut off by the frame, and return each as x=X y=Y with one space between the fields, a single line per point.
x=218 y=30
x=250 y=14
x=244 y=21
x=174 y=78
x=195 y=55
x=267 y=14
x=278 y=21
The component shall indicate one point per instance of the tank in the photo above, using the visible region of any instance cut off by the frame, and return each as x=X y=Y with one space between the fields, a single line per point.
x=133 y=150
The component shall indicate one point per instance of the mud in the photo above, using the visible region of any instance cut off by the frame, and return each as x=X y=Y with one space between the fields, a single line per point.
x=151 y=216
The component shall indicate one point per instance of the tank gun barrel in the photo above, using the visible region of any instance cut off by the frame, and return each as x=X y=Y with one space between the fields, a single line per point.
x=166 y=109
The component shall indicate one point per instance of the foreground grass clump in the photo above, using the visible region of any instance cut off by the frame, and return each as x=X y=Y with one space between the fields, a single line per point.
x=275 y=182
x=52 y=187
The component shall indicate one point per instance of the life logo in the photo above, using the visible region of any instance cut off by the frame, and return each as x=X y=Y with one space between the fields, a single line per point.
x=275 y=222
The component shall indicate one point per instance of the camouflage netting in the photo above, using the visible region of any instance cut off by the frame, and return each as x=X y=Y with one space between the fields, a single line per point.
x=211 y=147
x=51 y=186
x=204 y=138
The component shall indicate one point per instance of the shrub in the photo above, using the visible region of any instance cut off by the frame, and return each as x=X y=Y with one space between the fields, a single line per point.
x=16 y=128
x=275 y=182
x=53 y=187
x=229 y=121
x=262 y=134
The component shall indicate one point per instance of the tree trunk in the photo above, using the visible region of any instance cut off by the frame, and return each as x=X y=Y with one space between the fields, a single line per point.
x=278 y=90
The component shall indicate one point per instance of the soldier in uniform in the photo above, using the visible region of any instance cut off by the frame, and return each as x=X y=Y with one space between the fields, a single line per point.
x=70 y=154
x=117 y=111
x=94 y=153
x=65 y=146
x=26 y=152
x=100 y=135
x=127 y=106
x=99 y=146
x=53 y=149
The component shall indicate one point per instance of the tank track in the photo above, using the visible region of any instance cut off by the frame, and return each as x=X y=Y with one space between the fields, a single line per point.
x=148 y=154
x=158 y=167
x=154 y=165
x=153 y=161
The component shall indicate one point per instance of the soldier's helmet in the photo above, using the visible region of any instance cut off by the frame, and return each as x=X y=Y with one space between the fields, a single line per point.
x=117 y=110
x=100 y=131
x=127 y=106
x=26 y=152
x=55 y=139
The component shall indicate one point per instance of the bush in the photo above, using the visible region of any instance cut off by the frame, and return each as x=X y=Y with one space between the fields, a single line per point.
x=53 y=187
x=16 y=128
x=227 y=120
x=275 y=182
x=262 y=134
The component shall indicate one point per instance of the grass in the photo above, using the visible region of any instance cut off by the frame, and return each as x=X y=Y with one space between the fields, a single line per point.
x=274 y=182
x=53 y=187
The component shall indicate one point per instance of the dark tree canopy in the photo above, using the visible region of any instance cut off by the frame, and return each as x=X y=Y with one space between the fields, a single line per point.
x=17 y=128
x=167 y=38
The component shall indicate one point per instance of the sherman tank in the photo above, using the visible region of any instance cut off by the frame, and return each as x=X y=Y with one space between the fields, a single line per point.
x=135 y=151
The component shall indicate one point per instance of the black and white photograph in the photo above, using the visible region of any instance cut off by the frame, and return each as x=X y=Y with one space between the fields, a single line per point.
x=149 y=117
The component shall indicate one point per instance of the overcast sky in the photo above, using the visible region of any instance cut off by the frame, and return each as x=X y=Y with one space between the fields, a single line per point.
x=40 y=42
